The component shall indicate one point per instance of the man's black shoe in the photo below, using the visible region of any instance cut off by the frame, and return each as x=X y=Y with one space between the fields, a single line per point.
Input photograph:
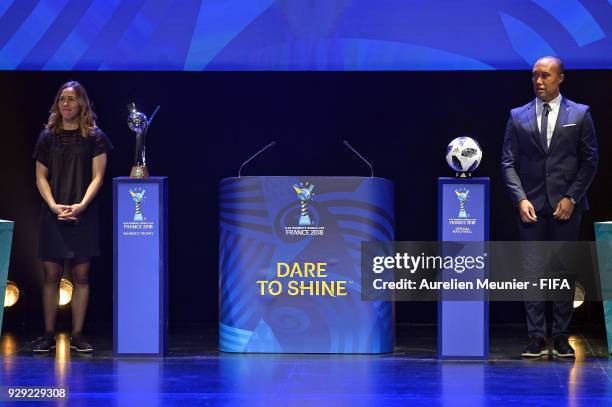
x=43 y=344
x=562 y=348
x=78 y=343
x=536 y=348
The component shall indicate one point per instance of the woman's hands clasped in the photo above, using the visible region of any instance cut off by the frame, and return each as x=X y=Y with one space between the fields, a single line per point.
x=68 y=213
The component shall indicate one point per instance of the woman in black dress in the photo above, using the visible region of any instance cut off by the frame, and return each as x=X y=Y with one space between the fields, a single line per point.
x=71 y=155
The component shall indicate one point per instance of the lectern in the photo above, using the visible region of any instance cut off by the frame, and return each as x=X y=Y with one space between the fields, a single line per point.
x=290 y=262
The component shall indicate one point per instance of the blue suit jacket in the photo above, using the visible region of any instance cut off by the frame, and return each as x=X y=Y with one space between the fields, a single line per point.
x=566 y=168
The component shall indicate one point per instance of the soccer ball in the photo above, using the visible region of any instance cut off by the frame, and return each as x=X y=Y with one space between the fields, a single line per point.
x=463 y=154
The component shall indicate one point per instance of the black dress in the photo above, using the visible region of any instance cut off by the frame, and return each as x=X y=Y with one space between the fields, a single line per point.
x=68 y=157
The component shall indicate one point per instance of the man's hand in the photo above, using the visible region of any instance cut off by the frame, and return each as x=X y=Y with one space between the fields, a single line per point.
x=527 y=212
x=564 y=209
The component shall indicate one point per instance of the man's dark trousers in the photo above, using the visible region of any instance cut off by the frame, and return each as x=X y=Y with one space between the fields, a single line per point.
x=549 y=229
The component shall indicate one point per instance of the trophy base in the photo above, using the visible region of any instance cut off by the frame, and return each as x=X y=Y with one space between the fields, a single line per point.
x=139 y=171
x=304 y=221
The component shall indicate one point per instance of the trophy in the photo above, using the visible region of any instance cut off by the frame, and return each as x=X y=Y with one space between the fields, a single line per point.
x=304 y=193
x=139 y=124
x=462 y=196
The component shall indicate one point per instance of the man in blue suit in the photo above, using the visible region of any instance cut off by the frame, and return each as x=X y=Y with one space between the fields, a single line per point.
x=549 y=159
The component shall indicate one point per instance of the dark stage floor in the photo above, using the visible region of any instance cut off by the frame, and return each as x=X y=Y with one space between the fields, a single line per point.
x=195 y=373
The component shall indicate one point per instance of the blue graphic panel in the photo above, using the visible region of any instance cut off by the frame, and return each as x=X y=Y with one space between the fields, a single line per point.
x=603 y=235
x=6 y=238
x=271 y=225
x=197 y=35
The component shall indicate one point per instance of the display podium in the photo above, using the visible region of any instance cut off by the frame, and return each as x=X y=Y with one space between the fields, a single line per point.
x=290 y=262
x=463 y=216
x=140 y=236
x=6 y=238
x=603 y=236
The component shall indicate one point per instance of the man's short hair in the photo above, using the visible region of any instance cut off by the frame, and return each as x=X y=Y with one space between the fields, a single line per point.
x=559 y=63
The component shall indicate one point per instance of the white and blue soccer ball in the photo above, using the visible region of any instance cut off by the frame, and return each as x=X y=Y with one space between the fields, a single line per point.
x=463 y=155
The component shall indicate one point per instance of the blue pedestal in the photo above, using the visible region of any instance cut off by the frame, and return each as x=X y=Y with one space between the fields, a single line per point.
x=463 y=216
x=140 y=266
x=6 y=238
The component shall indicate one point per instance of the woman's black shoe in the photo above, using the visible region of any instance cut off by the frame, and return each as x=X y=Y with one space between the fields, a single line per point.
x=43 y=344
x=78 y=343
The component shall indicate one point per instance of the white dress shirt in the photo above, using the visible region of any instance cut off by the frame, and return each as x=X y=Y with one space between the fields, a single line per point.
x=555 y=104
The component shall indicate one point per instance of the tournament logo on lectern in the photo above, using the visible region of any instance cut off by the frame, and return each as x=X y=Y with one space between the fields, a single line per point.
x=138 y=225
x=304 y=193
x=305 y=220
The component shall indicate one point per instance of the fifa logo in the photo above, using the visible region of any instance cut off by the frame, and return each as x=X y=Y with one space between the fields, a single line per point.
x=462 y=196
x=304 y=193
x=137 y=197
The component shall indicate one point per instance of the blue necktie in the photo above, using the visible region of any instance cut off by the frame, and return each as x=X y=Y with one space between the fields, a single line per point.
x=544 y=125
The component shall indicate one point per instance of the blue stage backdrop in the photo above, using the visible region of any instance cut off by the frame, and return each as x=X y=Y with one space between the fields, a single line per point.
x=290 y=262
x=199 y=35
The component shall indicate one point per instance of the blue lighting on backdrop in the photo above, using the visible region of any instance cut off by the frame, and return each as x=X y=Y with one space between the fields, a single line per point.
x=199 y=35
